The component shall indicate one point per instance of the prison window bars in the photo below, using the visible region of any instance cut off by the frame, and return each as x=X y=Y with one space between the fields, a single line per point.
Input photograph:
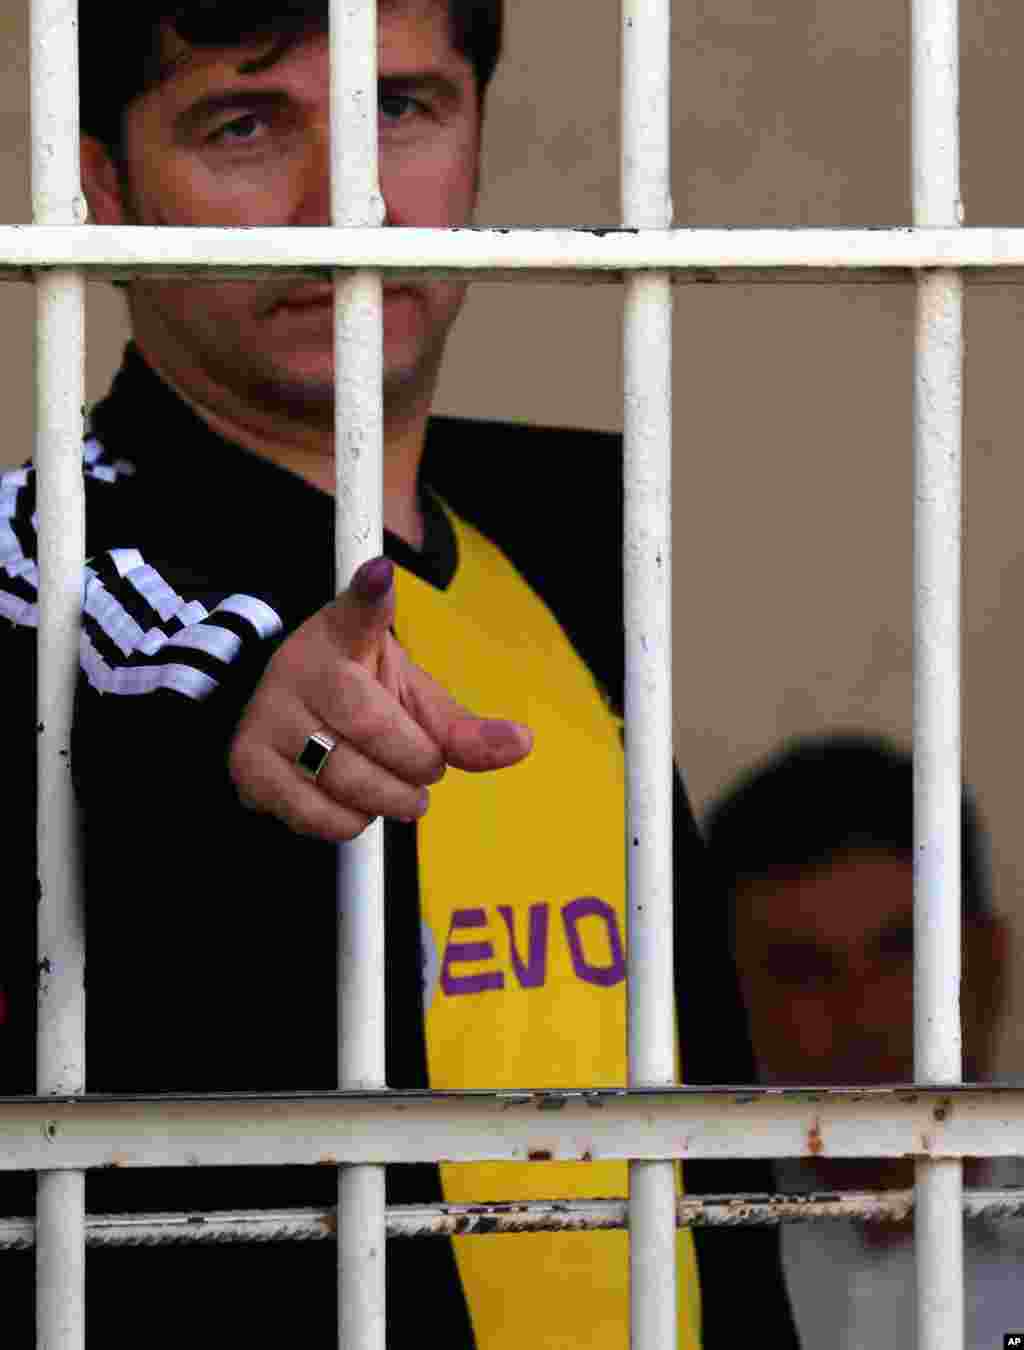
x=61 y=1133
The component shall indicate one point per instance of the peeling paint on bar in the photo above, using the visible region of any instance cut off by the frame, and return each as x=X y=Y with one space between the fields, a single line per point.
x=555 y=1216
x=382 y=1127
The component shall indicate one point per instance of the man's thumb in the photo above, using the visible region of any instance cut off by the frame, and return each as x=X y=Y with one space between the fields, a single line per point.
x=362 y=614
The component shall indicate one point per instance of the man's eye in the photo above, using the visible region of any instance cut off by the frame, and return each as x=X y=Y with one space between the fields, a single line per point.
x=398 y=107
x=239 y=131
x=897 y=943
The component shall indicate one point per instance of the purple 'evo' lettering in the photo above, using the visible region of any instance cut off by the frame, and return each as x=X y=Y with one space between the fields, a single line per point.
x=572 y=913
x=532 y=972
x=457 y=952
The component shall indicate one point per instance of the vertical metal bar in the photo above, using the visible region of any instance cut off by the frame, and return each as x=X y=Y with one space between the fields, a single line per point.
x=60 y=333
x=647 y=343
x=937 y=772
x=355 y=200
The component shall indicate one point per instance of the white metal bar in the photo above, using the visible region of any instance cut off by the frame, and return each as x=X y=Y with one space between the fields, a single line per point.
x=935 y=141
x=937 y=784
x=647 y=575
x=358 y=522
x=223 y=1227
x=361 y=1254
x=60 y=335
x=598 y=254
x=355 y=201
x=403 y=1127
x=647 y=572
x=60 y=325
x=935 y=121
x=939 y=1248
x=60 y=1260
x=358 y=536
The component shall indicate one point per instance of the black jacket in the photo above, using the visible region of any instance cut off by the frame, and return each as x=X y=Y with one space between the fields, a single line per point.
x=184 y=887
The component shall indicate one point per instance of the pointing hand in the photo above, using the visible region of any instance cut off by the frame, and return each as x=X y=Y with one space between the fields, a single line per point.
x=396 y=729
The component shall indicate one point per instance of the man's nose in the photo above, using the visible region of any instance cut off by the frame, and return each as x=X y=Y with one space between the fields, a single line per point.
x=853 y=1009
x=313 y=204
x=867 y=1025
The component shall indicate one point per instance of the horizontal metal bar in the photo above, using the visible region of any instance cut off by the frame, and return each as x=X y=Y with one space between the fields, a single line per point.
x=217 y=1228
x=739 y=255
x=402 y=1127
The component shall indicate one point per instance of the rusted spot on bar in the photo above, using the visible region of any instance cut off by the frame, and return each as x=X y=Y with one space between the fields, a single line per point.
x=508 y=1099
x=815 y=1143
x=534 y=1216
x=539 y=1155
x=550 y=1102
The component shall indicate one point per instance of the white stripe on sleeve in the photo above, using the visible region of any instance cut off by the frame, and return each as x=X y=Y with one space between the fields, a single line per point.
x=156 y=592
x=117 y=623
x=112 y=617
x=265 y=620
x=133 y=680
x=211 y=639
x=125 y=560
x=20 y=612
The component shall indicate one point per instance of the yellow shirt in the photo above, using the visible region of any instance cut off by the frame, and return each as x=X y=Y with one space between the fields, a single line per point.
x=522 y=895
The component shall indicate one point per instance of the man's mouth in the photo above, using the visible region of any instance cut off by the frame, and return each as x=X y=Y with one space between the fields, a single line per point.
x=318 y=298
x=312 y=298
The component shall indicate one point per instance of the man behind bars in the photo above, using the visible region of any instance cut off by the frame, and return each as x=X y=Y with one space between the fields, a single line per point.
x=815 y=849
x=214 y=651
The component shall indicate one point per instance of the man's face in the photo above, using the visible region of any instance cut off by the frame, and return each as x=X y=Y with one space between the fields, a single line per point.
x=826 y=959
x=211 y=145
x=826 y=963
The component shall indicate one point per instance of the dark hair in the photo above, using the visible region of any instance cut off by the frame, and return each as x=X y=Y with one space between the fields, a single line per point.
x=819 y=798
x=119 y=48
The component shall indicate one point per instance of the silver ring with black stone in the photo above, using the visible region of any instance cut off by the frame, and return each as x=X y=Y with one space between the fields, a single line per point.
x=314 y=754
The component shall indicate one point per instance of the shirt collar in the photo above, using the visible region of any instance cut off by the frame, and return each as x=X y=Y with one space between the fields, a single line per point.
x=251 y=504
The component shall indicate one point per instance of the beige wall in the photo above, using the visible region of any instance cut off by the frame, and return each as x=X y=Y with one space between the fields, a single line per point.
x=792 y=470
